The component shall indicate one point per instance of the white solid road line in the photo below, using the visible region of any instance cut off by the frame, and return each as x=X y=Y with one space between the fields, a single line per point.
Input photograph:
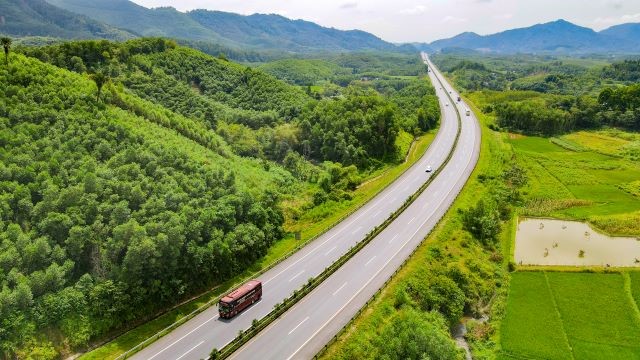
x=374 y=276
x=359 y=291
x=297 y=326
x=187 y=334
x=410 y=221
x=340 y=288
x=296 y=275
x=181 y=356
x=331 y=237
x=370 y=260
x=330 y=250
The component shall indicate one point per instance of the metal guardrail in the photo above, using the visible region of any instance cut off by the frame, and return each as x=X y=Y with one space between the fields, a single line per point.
x=280 y=309
x=207 y=305
x=377 y=293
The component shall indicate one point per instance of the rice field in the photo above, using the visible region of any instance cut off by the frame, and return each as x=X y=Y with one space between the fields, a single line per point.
x=582 y=176
x=564 y=315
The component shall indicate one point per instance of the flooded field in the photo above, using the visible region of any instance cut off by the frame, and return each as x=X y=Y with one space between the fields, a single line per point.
x=560 y=242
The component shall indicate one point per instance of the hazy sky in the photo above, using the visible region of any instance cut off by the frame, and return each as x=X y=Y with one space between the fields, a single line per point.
x=426 y=20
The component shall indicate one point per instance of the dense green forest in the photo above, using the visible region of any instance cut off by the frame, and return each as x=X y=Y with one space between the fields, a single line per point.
x=40 y=18
x=135 y=174
x=551 y=96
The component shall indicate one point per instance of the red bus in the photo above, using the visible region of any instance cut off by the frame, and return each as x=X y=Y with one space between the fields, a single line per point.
x=237 y=300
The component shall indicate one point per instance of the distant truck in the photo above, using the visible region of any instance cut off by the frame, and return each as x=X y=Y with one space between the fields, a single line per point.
x=239 y=299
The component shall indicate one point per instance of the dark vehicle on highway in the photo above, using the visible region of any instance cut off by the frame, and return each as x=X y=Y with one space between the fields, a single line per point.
x=239 y=299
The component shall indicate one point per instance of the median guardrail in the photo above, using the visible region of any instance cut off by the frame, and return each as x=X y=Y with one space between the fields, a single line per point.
x=281 y=308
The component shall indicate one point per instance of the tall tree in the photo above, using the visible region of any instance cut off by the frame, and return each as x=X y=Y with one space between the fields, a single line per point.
x=100 y=79
x=6 y=44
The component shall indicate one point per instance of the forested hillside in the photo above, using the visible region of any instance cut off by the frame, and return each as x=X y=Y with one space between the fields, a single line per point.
x=133 y=175
x=536 y=95
x=106 y=216
x=39 y=18
x=257 y=31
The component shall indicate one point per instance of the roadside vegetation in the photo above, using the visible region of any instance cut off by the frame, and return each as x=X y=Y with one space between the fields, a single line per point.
x=581 y=157
x=457 y=273
x=572 y=130
x=138 y=175
x=554 y=144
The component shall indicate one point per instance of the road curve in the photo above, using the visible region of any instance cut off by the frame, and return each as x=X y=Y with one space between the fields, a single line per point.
x=195 y=338
x=302 y=331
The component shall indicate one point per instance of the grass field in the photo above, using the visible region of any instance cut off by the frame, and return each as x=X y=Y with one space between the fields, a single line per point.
x=592 y=182
x=585 y=175
x=532 y=326
x=564 y=315
x=635 y=287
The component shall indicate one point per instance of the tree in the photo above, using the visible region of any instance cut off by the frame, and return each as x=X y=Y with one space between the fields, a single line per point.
x=415 y=335
x=100 y=79
x=6 y=44
x=483 y=222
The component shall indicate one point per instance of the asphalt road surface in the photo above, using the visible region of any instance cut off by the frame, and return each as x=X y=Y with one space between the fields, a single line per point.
x=304 y=329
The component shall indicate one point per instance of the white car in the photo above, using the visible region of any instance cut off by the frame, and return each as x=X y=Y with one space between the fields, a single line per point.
x=446 y=104
x=429 y=169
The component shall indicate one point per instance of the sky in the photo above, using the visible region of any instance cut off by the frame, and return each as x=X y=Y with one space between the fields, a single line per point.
x=426 y=20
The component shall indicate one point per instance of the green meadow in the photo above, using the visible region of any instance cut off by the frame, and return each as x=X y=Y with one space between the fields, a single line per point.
x=565 y=315
x=582 y=176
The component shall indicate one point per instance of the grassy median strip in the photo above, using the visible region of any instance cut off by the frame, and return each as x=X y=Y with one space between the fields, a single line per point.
x=297 y=295
x=142 y=336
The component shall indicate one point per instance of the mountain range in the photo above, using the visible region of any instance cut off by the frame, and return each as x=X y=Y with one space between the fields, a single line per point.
x=559 y=36
x=124 y=19
x=39 y=18
x=254 y=32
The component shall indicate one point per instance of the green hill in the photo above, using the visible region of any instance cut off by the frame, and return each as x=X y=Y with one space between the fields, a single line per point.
x=109 y=211
x=178 y=175
x=277 y=32
x=39 y=18
x=126 y=14
x=258 y=31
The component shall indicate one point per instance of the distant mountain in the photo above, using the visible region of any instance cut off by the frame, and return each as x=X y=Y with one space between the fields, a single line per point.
x=554 y=37
x=164 y=21
x=275 y=31
x=624 y=31
x=39 y=18
x=258 y=31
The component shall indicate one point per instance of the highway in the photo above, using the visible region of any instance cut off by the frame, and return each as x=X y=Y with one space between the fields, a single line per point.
x=301 y=331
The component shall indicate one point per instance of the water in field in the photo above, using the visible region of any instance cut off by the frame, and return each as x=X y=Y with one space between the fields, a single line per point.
x=560 y=242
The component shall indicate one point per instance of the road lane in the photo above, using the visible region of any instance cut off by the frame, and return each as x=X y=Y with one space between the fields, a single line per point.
x=312 y=259
x=327 y=315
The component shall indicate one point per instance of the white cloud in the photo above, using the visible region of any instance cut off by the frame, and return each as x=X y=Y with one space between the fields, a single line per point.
x=416 y=10
x=610 y=20
x=349 y=5
x=630 y=18
x=503 y=16
x=453 y=20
